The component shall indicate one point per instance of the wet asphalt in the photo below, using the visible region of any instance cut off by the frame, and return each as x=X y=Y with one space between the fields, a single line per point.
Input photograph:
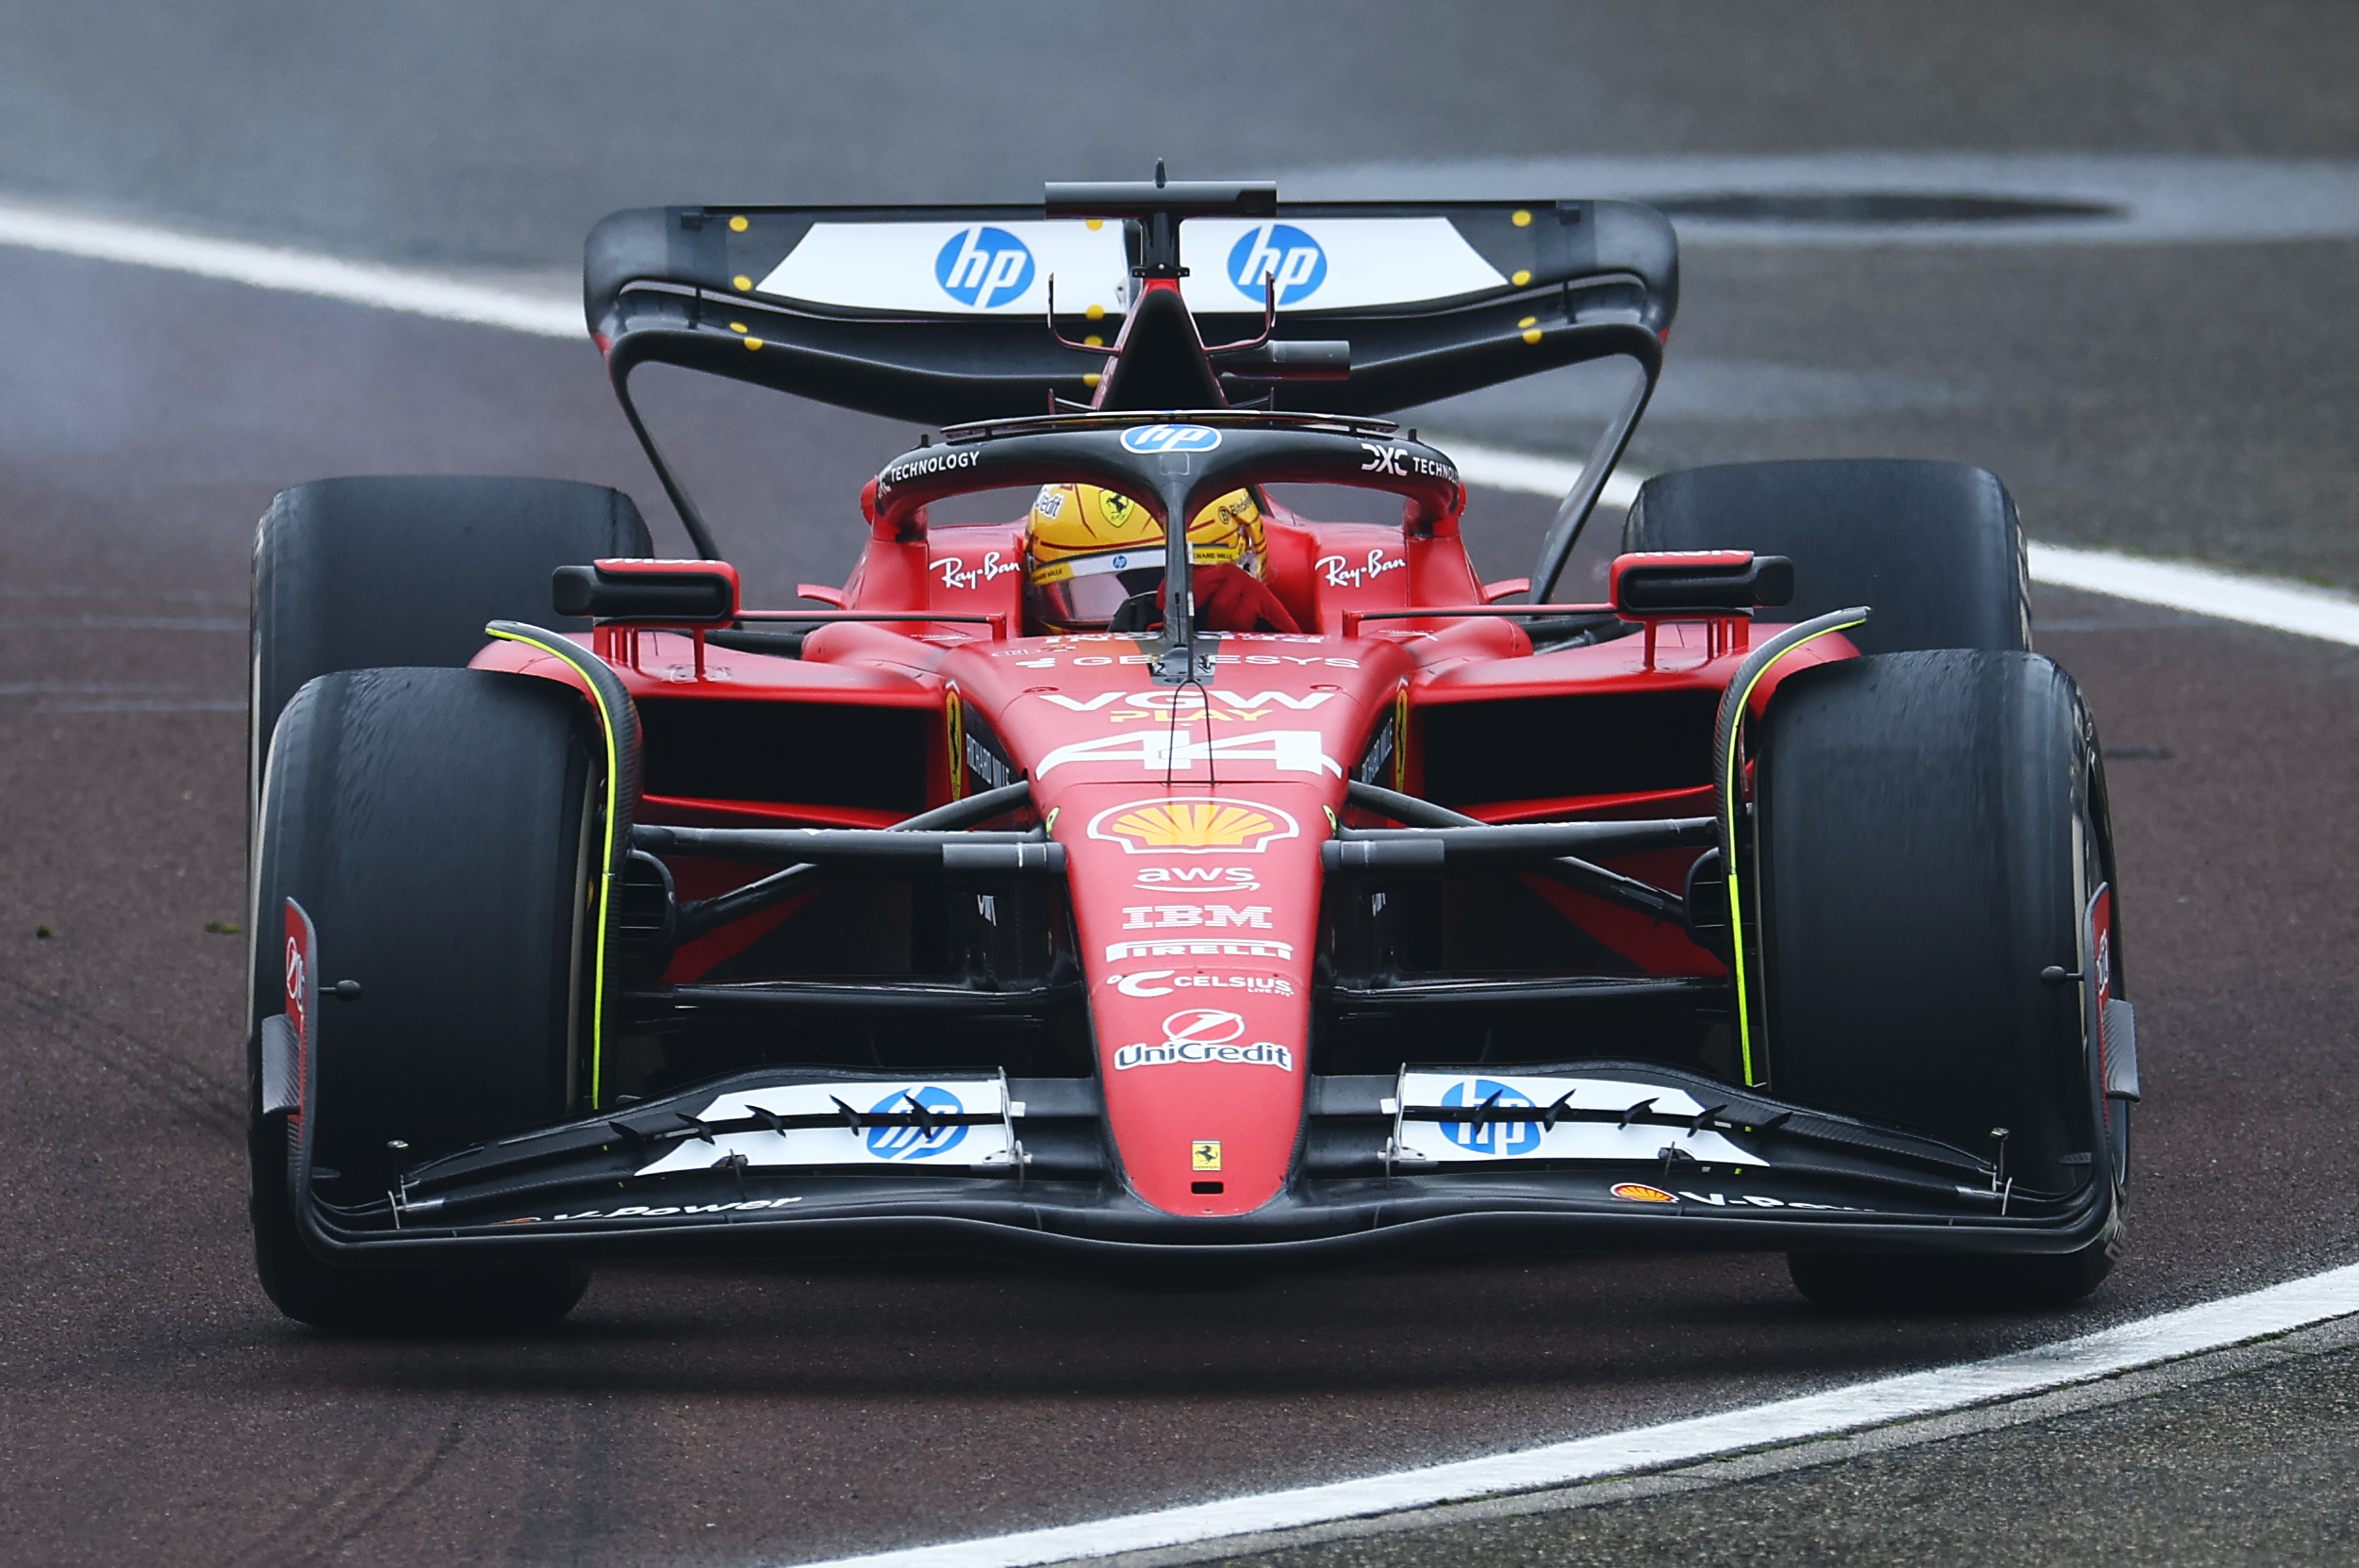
x=2188 y=400
x=2247 y=1469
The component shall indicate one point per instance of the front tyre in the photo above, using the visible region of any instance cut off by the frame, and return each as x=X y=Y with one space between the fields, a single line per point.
x=1930 y=829
x=435 y=823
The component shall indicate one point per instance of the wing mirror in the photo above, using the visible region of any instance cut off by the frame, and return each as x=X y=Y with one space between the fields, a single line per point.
x=677 y=593
x=1699 y=582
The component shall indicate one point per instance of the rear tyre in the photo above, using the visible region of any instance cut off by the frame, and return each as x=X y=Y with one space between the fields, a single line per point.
x=1935 y=547
x=403 y=570
x=437 y=826
x=1930 y=832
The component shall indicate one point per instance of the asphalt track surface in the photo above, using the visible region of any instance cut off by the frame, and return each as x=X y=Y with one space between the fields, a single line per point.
x=2168 y=1467
x=2193 y=400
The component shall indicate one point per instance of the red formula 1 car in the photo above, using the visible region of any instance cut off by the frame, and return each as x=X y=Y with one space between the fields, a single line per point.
x=1294 y=897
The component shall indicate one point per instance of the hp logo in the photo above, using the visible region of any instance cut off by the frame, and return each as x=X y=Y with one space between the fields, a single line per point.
x=1170 y=437
x=1495 y=1138
x=915 y=1143
x=983 y=266
x=1280 y=250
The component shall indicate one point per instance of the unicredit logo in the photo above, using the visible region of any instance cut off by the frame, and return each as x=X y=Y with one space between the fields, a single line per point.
x=1205 y=1034
x=1260 y=1053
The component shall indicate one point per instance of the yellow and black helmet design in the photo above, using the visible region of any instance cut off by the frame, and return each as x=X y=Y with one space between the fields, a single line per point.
x=1087 y=550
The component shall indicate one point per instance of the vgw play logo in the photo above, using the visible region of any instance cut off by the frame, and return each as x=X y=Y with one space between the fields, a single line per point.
x=983 y=266
x=1279 y=251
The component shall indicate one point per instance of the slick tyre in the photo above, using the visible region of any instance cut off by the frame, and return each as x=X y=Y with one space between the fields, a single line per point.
x=404 y=571
x=437 y=825
x=1935 y=547
x=1930 y=829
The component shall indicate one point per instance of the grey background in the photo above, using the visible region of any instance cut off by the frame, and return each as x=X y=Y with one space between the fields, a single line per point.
x=497 y=132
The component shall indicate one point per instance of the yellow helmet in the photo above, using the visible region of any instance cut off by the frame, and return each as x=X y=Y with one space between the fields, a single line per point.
x=1087 y=550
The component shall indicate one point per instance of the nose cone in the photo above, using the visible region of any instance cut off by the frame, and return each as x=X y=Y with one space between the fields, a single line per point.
x=1196 y=915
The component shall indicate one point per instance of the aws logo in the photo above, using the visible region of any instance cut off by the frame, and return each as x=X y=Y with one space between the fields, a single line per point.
x=1279 y=251
x=1196 y=879
x=983 y=266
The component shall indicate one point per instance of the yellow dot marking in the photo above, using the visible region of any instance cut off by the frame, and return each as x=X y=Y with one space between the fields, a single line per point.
x=1522 y=278
x=743 y=281
x=1091 y=379
x=739 y=326
x=756 y=342
x=1529 y=320
x=1097 y=222
x=1532 y=336
x=1521 y=220
x=737 y=224
x=1094 y=341
x=1096 y=312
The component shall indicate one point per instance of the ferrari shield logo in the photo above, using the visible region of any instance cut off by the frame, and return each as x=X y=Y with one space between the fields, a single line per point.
x=1204 y=1154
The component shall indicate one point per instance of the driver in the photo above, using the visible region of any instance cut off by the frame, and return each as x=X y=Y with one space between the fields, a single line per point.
x=1093 y=561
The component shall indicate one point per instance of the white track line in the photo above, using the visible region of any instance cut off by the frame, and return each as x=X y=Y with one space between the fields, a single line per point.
x=1530 y=474
x=2168 y=1337
x=2270 y=602
x=415 y=292
x=2282 y=607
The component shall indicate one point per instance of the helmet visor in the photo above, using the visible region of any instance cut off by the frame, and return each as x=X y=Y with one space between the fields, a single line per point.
x=1086 y=591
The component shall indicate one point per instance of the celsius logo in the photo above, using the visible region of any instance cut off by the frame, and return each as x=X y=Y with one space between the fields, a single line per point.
x=1279 y=250
x=918 y=1142
x=1489 y=1137
x=1162 y=982
x=1170 y=437
x=983 y=266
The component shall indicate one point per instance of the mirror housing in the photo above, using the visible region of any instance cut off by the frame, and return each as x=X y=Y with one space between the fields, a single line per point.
x=676 y=593
x=1699 y=582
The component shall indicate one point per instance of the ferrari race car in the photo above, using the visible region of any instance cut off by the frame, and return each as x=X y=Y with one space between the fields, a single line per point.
x=1306 y=900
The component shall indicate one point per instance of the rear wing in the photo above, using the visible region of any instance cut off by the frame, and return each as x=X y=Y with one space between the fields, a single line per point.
x=940 y=315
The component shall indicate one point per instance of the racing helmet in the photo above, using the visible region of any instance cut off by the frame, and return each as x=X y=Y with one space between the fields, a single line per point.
x=1086 y=550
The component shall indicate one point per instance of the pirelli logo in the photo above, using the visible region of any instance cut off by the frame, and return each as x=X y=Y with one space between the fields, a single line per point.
x=1198 y=947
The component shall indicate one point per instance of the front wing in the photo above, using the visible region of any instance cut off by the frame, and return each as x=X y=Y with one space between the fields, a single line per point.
x=803 y=1163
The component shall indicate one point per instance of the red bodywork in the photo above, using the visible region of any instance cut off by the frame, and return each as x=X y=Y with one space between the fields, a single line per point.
x=1192 y=819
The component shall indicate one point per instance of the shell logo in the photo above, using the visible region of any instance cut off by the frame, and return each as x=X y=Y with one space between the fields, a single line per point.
x=1637 y=1192
x=1192 y=825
